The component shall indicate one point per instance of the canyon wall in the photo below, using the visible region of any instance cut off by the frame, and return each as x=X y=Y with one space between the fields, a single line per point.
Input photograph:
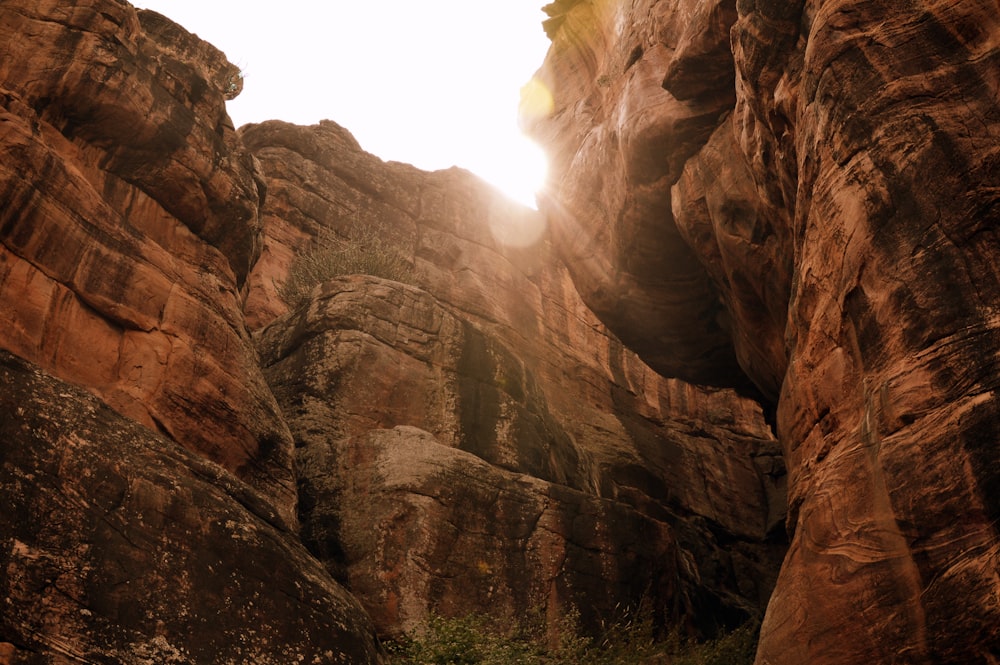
x=198 y=473
x=805 y=194
x=475 y=438
x=152 y=519
x=757 y=213
x=121 y=546
x=129 y=224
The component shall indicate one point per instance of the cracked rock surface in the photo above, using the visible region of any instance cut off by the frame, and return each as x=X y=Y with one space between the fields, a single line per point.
x=830 y=184
x=121 y=546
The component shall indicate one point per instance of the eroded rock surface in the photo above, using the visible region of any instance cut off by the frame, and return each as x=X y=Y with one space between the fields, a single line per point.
x=424 y=525
x=620 y=141
x=831 y=184
x=480 y=419
x=491 y=352
x=129 y=222
x=371 y=369
x=120 y=546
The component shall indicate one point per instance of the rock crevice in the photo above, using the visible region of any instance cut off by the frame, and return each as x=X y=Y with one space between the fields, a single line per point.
x=841 y=208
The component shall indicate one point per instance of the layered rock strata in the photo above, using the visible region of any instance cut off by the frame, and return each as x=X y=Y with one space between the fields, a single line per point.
x=475 y=440
x=490 y=352
x=129 y=221
x=121 y=546
x=832 y=178
x=129 y=224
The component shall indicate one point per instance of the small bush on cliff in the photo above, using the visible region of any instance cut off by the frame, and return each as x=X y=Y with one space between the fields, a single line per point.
x=365 y=252
x=481 y=640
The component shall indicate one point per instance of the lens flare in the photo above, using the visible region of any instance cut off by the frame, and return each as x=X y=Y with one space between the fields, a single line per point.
x=519 y=170
x=536 y=102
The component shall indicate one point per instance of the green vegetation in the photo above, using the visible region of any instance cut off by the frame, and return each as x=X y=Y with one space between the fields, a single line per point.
x=481 y=640
x=365 y=252
x=234 y=85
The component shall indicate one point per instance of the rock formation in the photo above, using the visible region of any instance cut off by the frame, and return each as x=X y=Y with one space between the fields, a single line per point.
x=121 y=546
x=130 y=221
x=473 y=441
x=816 y=184
x=786 y=209
x=483 y=422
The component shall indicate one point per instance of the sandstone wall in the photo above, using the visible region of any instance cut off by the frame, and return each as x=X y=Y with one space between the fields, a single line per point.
x=129 y=223
x=164 y=530
x=491 y=352
x=120 y=546
x=474 y=441
x=817 y=184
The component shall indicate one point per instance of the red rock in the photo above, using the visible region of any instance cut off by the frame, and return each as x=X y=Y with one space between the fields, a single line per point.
x=130 y=236
x=129 y=223
x=844 y=209
x=620 y=140
x=121 y=546
x=889 y=388
x=424 y=525
x=366 y=356
x=490 y=351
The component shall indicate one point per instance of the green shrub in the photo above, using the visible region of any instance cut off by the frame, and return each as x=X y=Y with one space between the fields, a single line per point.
x=735 y=648
x=481 y=640
x=365 y=252
x=468 y=640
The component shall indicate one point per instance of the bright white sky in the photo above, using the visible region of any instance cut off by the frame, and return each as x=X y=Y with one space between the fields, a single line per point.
x=434 y=83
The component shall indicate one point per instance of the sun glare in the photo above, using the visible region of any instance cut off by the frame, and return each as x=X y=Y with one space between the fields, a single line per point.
x=517 y=167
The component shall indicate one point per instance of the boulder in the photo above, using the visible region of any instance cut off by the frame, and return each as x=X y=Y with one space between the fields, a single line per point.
x=118 y=545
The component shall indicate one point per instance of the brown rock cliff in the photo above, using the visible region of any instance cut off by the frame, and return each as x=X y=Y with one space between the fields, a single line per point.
x=828 y=174
x=792 y=202
x=490 y=354
x=473 y=441
x=129 y=223
x=120 y=546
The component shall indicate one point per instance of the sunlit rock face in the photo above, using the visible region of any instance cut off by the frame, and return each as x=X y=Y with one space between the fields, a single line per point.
x=129 y=222
x=476 y=440
x=823 y=178
x=162 y=529
x=617 y=141
x=120 y=546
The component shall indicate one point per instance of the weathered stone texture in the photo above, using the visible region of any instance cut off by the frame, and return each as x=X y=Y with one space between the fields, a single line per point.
x=369 y=361
x=129 y=222
x=889 y=408
x=474 y=441
x=842 y=200
x=620 y=142
x=117 y=545
x=429 y=526
x=491 y=351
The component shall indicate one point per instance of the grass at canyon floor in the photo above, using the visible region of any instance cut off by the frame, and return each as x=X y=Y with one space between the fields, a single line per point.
x=481 y=640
